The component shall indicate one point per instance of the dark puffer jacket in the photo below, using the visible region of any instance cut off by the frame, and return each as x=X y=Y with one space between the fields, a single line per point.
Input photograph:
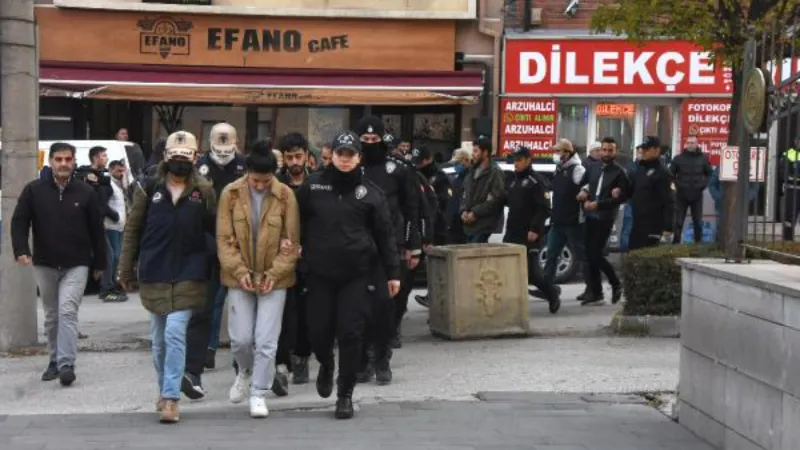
x=691 y=171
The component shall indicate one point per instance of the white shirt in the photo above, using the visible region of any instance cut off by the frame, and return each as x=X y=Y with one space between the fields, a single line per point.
x=117 y=203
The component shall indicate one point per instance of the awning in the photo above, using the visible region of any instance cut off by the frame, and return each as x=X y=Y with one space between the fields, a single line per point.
x=168 y=84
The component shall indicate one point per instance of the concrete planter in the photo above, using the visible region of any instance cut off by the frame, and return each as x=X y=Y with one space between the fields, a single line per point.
x=478 y=291
x=656 y=326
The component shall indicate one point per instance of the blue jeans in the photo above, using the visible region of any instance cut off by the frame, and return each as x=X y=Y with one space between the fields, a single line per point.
x=557 y=238
x=216 y=317
x=627 y=226
x=114 y=245
x=168 y=333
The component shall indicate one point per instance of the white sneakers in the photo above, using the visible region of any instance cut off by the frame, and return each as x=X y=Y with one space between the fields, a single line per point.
x=241 y=387
x=258 y=407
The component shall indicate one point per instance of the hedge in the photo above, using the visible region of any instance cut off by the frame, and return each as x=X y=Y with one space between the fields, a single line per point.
x=651 y=277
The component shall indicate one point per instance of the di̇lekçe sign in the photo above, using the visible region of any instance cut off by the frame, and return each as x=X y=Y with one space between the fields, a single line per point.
x=528 y=122
x=729 y=166
x=707 y=120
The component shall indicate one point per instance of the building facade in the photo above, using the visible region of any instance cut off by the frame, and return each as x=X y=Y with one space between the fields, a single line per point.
x=267 y=67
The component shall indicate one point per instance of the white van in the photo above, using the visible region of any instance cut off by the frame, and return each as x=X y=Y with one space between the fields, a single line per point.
x=115 y=150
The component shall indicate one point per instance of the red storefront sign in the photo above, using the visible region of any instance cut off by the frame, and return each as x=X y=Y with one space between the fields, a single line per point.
x=528 y=122
x=598 y=67
x=708 y=120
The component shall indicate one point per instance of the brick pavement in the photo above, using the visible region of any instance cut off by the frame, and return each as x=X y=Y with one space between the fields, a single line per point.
x=507 y=421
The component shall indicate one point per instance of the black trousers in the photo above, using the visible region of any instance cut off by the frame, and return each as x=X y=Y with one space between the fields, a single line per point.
x=288 y=337
x=696 y=209
x=640 y=238
x=597 y=233
x=338 y=309
x=199 y=330
x=406 y=286
x=381 y=324
x=302 y=346
x=536 y=273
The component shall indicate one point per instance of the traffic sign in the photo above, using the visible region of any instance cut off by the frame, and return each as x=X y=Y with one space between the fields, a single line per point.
x=729 y=164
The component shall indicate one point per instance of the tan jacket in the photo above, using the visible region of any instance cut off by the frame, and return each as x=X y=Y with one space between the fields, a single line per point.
x=280 y=220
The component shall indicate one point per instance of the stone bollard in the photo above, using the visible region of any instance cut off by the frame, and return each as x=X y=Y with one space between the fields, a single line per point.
x=478 y=291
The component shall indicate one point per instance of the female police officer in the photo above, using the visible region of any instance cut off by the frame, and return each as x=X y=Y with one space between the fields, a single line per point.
x=345 y=226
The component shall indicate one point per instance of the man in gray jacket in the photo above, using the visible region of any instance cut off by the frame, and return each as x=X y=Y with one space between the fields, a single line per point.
x=484 y=194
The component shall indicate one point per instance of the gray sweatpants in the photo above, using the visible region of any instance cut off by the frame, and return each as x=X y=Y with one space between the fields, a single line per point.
x=61 y=292
x=254 y=325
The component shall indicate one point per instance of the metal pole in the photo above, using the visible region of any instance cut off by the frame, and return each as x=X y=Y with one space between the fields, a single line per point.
x=19 y=108
x=735 y=249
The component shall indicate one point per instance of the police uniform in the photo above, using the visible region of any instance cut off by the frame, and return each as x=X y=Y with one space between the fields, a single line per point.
x=528 y=209
x=346 y=228
x=652 y=203
x=200 y=351
x=401 y=189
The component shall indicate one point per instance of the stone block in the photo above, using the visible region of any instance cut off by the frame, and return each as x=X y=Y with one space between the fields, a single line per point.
x=702 y=384
x=735 y=441
x=791 y=311
x=704 y=328
x=791 y=367
x=750 y=300
x=790 y=438
x=753 y=409
x=701 y=425
x=686 y=280
x=656 y=326
x=757 y=348
x=478 y=291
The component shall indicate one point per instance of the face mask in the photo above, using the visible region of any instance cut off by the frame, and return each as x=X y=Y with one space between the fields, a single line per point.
x=179 y=167
x=557 y=158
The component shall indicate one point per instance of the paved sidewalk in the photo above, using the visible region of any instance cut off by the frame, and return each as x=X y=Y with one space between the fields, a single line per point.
x=502 y=422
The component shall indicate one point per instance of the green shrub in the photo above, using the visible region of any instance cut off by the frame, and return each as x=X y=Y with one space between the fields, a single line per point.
x=651 y=278
x=789 y=252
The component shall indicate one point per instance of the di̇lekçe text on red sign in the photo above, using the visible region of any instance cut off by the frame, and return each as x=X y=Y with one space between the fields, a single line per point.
x=528 y=122
x=707 y=120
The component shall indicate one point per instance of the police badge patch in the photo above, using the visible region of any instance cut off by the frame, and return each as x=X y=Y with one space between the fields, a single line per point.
x=390 y=166
x=203 y=170
x=361 y=192
x=525 y=182
x=650 y=172
x=157 y=197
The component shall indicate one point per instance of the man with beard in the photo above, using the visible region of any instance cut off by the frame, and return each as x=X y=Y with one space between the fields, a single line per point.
x=221 y=166
x=601 y=208
x=114 y=230
x=293 y=346
x=346 y=229
x=484 y=194
x=402 y=194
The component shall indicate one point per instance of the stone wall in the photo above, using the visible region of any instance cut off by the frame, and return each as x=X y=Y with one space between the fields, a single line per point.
x=740 y=354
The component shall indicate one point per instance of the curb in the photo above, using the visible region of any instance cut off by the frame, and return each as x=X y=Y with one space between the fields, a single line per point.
x=655 y=326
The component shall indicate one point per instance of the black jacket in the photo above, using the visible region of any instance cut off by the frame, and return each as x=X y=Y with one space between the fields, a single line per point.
x=401 y=189
x=67 y=225
x=607 y=177
x=566 y=186
x=651 y=196
x=484 y=196
x=346 y=225
x=528 y=208
x=440 y=192
x=221 y=176
x=691 y=171
x=100 y=181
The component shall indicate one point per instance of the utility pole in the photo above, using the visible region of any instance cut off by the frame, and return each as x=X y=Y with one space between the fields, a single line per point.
x=19 y=107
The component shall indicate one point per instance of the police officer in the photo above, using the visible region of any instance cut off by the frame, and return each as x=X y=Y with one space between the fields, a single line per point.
x=528 y=209
x=401 y=189
x=651 y=194
x=221 y=166
x=345 y=219
x=293 y=346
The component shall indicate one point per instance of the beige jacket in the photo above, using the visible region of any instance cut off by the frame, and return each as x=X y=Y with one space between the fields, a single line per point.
x=279 y=220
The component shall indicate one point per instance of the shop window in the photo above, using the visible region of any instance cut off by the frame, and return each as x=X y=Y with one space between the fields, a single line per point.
x=657 y=121
x=573 y=124
x=393 y=124
x=616 y=120
x=264 y=129
x=436 y=131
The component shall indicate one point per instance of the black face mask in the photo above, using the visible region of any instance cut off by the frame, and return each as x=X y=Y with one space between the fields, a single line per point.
x=374 y=153
x=179 y=168
x=344 y=181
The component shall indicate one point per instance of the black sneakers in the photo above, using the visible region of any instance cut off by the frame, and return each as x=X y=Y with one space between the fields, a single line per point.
x=344 y=408
x=51 y=373
x=211 y=359
x=66 y=375
x=300 y=370
x=280 y=384
x=616 y=294
x=325 y=381
x=383 y=372
x=192 y=387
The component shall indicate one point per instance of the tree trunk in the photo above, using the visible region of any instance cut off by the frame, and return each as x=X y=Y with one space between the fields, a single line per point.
x=19 y=106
